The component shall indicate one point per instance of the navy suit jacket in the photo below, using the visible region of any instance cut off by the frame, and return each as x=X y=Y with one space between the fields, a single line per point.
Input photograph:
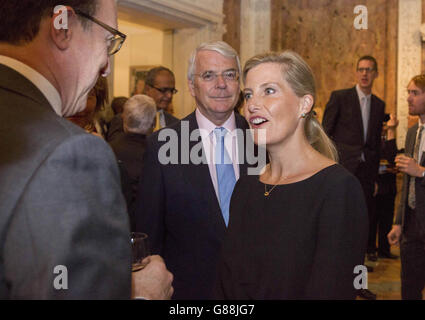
x=178 y=208
x=343 y=123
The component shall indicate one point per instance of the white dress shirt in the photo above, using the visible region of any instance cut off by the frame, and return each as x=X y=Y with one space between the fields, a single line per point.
x=209 y=142
x=364 y=101
x=46 y=88
x=162 y=123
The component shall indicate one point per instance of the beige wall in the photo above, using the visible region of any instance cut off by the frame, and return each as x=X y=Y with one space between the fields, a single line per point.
x=143 y=47
x=322 y=32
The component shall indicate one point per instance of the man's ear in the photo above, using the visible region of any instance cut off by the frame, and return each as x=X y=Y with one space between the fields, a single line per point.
x=191 y=86
x=61 y=26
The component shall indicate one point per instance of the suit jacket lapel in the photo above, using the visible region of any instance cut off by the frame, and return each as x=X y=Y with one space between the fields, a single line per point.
x=410 y=143
x=243 y=163
x=372 y=116
x=357 y=112
x=198 y=176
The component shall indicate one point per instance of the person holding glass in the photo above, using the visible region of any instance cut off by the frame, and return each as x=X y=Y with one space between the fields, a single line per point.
x=299 y=229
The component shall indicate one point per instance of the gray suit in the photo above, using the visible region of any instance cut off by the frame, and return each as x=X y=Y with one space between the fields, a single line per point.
x=60 y=203
x=419 y=187
x=412 y=222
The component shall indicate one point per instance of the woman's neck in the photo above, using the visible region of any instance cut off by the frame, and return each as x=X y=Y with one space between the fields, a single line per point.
x=292 y=162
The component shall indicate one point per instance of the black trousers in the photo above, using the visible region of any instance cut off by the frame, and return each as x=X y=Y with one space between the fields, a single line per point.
x=368 y=187
x=382 y=224
x=412 y=254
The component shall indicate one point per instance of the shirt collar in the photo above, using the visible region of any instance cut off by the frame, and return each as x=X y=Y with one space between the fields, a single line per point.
x=205 y=124
x=361 y=94
x=46 y=88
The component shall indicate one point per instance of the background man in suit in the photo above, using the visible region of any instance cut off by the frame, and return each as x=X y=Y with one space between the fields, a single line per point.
x=160 y=85
x=60 y=197
x=184 y=207
x=409 y=227
x=138 y=119
x=115 y=125
x=353 y=120
x=387 y=187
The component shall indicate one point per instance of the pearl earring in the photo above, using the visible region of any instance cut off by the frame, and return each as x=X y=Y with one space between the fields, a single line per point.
x=303 y=115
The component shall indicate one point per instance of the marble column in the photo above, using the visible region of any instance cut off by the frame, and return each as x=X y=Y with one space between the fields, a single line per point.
x=409 y=58
x=255 y=28
x=185 y=41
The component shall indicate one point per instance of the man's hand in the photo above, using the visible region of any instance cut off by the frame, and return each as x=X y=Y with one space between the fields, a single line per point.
x=394 y=235
x=391 y=125
x=154 y=281
x=393 y=122
x=409 y=165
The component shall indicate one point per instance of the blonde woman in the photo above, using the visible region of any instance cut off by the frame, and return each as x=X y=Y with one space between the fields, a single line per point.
x=299 y=229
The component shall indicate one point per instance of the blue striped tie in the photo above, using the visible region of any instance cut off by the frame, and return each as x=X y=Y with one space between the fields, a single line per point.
x=225 y=174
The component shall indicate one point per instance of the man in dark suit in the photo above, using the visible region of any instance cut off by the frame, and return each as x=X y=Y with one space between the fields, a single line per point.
x=115 y=125
x=160 y=86
x=182 y=202
x=138 y=119
x=409 y=227
x=387 y=187
x=63 y=226
x=353 y=120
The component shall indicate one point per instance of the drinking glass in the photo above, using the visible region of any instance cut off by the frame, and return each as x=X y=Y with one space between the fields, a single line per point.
x=140 y=250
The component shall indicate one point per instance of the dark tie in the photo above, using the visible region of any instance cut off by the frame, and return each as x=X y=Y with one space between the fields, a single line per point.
x=412 y=196
x=225 y=174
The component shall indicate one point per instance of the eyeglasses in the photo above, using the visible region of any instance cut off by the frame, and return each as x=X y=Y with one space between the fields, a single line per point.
x=165 y=90
x=209 y=76
x=368 y=70
x=116 y=42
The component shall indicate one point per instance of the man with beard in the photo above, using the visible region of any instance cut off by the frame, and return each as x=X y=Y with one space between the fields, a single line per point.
x=409 y=228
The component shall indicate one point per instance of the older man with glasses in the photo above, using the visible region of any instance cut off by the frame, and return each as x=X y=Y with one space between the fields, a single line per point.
x=63 y=226
x=184 y=207
x=160 y=86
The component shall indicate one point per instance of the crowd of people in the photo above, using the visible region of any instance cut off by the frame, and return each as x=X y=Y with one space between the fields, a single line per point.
x=73 y=186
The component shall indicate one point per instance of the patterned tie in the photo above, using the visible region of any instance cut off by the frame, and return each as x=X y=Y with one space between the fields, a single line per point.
x=225 y=174
x=412 y=196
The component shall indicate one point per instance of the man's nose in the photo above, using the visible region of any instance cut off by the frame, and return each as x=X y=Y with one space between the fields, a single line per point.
x=220 y=81
x=168 y=94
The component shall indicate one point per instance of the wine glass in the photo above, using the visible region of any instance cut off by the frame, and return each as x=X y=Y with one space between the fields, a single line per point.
x=140 y=250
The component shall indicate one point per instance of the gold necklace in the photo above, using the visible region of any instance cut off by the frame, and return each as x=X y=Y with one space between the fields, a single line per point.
x=267 y=193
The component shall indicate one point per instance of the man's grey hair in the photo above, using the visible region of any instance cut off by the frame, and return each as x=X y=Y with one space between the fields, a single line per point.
x=139 y=114
x=218 y=46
